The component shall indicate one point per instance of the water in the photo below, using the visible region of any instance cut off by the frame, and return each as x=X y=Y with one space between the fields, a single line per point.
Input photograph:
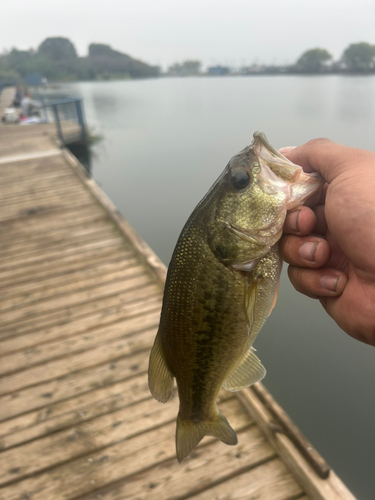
x=165 y=143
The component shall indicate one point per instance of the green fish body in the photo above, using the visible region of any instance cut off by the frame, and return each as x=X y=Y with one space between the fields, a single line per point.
x=221 y=286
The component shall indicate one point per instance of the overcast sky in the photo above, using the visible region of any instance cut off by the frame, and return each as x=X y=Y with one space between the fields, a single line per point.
x=231 y=32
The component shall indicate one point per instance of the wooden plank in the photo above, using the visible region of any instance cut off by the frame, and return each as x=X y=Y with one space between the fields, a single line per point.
x=56 y=179
x=23 y=360
x=73 y=411
x=51 y=173
x=120 y=346
x=316 y=487
x=58 y=318
x=96 y=469
x=47 y=198
x=26 y=247
x=67 y=197
x=70 y=443
x=33 y=164
x=42 y=186
x=210 y=476
x=55 y=303
x=60 y=264
x=130 y=268
x=61 y=253
x=269 y=481
x=30 y=211
x=70 y=265
x=51 y=391
x=22 y=296
x=78 y=275
x=26 y=242
x=102 y=234
x=48 y=222
x=60 y=204
x=30 y=342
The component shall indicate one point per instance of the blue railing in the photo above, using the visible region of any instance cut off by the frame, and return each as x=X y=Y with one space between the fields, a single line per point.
x=64 y=108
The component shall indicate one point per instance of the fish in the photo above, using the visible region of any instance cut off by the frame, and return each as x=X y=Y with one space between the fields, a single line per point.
x=222 y=284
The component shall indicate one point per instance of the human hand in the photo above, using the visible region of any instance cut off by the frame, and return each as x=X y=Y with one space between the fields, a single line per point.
x=330 y=244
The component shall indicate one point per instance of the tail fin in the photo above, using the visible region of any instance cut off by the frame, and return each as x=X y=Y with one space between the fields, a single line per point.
x=188 y=433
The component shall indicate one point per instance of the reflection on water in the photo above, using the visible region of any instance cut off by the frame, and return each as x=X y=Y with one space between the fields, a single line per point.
x=167 y=140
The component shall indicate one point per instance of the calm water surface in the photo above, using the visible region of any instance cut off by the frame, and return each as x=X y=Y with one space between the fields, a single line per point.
x=165 y=143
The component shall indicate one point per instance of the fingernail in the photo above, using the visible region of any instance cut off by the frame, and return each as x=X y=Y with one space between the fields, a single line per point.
x=329 y=282
x=292 y=221
x=307 y=250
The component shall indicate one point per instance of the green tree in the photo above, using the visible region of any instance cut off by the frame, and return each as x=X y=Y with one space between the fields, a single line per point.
x=57 y=49
x=359 y=56
x=187 y=68
x=312 y=61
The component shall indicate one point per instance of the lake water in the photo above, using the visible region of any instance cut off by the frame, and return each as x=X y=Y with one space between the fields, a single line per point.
x=165 y=143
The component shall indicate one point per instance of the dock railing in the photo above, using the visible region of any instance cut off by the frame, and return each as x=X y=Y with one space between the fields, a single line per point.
x=68 y=113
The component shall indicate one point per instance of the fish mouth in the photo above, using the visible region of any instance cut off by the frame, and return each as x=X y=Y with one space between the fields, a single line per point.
x=278 y=163
x=280 y=172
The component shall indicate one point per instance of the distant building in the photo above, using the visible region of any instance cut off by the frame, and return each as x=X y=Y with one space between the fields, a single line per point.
x=218 y=70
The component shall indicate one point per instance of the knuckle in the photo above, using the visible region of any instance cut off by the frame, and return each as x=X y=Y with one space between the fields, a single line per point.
x=319 y=141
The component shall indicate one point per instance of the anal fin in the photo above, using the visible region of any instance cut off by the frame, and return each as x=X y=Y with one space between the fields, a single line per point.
x=160 y=378
x=247 y=373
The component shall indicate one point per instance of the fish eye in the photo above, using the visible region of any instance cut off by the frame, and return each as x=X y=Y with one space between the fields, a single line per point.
x=240 y=179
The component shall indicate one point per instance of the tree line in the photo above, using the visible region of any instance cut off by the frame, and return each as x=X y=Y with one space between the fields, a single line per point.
x=57 y=60
x=356 y=58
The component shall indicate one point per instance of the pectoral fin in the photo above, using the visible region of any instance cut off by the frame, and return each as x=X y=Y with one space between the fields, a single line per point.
x=251 y=294
x=275 y=298
x=247 y=373
x=160 y=378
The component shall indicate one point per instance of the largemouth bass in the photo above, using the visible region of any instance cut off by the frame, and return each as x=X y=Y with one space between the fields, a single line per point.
x=221 y=285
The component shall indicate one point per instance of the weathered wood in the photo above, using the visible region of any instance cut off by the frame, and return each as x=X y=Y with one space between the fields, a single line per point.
x=24 y=360
x=55 y=303
x=60 y=264
x=244 y=475
x=96 y=469
x=60 y=254
x=85 y=438
x=290 y=429
x=24 y=298
x=70 y=264
x=103 y=305
x=76 y=245
x=61 y=415
x=28 y=245
x=49 y=223
x=81 y=274
x=120 y=346
x=32 y=342
x=269 y=481
x=61 y=389
x=315 y=486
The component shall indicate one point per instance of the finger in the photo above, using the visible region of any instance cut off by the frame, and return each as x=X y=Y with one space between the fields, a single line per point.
x=306 y=251
x=300 y=221
x=321 y=223
x=327 y=157
x=315 y=283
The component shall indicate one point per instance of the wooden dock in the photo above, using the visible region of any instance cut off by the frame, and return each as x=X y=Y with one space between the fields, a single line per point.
x=80 y=297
